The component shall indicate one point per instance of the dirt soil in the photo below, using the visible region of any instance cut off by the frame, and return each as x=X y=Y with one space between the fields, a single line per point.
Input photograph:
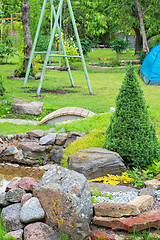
x=55 y=91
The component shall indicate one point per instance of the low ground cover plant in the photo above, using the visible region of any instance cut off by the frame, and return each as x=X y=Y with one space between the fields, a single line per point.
x=93 y=139
x=113 y=179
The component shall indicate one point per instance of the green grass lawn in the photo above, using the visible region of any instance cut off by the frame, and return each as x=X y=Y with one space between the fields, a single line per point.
x=105 y=87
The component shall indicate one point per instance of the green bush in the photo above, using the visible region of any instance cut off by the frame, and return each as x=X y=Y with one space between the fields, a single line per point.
x=87 y=44
x=5 y=53
x=2 y=89
x=131 y=132
x=119 y=45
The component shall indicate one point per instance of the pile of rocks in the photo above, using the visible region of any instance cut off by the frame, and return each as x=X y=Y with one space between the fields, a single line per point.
x=60 y=201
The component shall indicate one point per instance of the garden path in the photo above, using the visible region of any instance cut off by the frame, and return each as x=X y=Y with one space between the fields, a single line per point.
x=18 y=121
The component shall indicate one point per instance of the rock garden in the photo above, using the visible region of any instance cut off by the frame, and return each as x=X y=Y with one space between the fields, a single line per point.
x=79 y=120
x=95 y=197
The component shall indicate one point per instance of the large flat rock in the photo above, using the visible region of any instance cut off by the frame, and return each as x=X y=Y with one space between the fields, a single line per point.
x=143 y=221
x=31 y=108
x=96 y=162
x=115 y=210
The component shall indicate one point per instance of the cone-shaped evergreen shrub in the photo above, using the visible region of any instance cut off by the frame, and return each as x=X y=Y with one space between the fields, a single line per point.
x=131 y=132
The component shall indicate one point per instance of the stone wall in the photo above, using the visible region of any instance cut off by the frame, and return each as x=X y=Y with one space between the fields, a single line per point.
x=35 y=147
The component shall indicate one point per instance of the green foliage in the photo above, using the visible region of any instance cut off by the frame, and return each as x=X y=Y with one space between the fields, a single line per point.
x=2 y=89
x=20 y=128
x=99 y=193
x=64 y=236
x=87 y=44
x=143 y=235
x=139 y=177
x=72 y=50
x=141 y=56
x=5 y=53
x=154 y=41
x=131 y=132
x=15 y=38
x=94 y=200
x=5 y=106
x=42 y=46
x=115 y=62
x=93 y=139
x=98 y=121
x=40 y=160
x=119 y=45
x=3 y=230
x=154 y=168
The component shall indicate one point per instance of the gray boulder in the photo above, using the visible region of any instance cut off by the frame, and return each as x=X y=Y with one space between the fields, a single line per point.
x=49 y=139
x=10 y=216
x=15 y=195
x=31 y=211
x=33 y=151
x=31 y=108
x=61 y=139
x=36 y=133
x=11 y=150
x=56 y=154
x=65 y=196
x=40 y=231
x=96 y=162
x=3 y=147
x=16 y=157
x=37 y=76
x=3 y=201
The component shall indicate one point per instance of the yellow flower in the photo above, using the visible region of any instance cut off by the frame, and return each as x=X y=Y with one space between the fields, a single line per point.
x=105 y=59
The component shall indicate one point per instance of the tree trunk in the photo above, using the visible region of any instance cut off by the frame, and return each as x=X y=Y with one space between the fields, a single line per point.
x=145 y=43
x=25 y=7
x=138 y=43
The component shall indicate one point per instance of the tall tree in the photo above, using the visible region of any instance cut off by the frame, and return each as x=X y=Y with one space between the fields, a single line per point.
x=126 y=16
x=25 y=7
x=144 y=37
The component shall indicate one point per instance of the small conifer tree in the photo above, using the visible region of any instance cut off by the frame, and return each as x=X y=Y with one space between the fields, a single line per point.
x=131 y=132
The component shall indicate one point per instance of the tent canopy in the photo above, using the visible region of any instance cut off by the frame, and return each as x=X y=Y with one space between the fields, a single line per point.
x=150 y=69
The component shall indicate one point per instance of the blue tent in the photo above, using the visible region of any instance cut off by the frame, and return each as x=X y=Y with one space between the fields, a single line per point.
x=150 y=69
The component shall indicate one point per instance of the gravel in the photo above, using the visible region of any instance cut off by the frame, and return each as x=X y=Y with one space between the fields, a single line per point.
x=118 y=197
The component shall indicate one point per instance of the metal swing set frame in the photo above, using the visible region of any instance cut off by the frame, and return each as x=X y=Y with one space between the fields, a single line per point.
x=57 y=27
